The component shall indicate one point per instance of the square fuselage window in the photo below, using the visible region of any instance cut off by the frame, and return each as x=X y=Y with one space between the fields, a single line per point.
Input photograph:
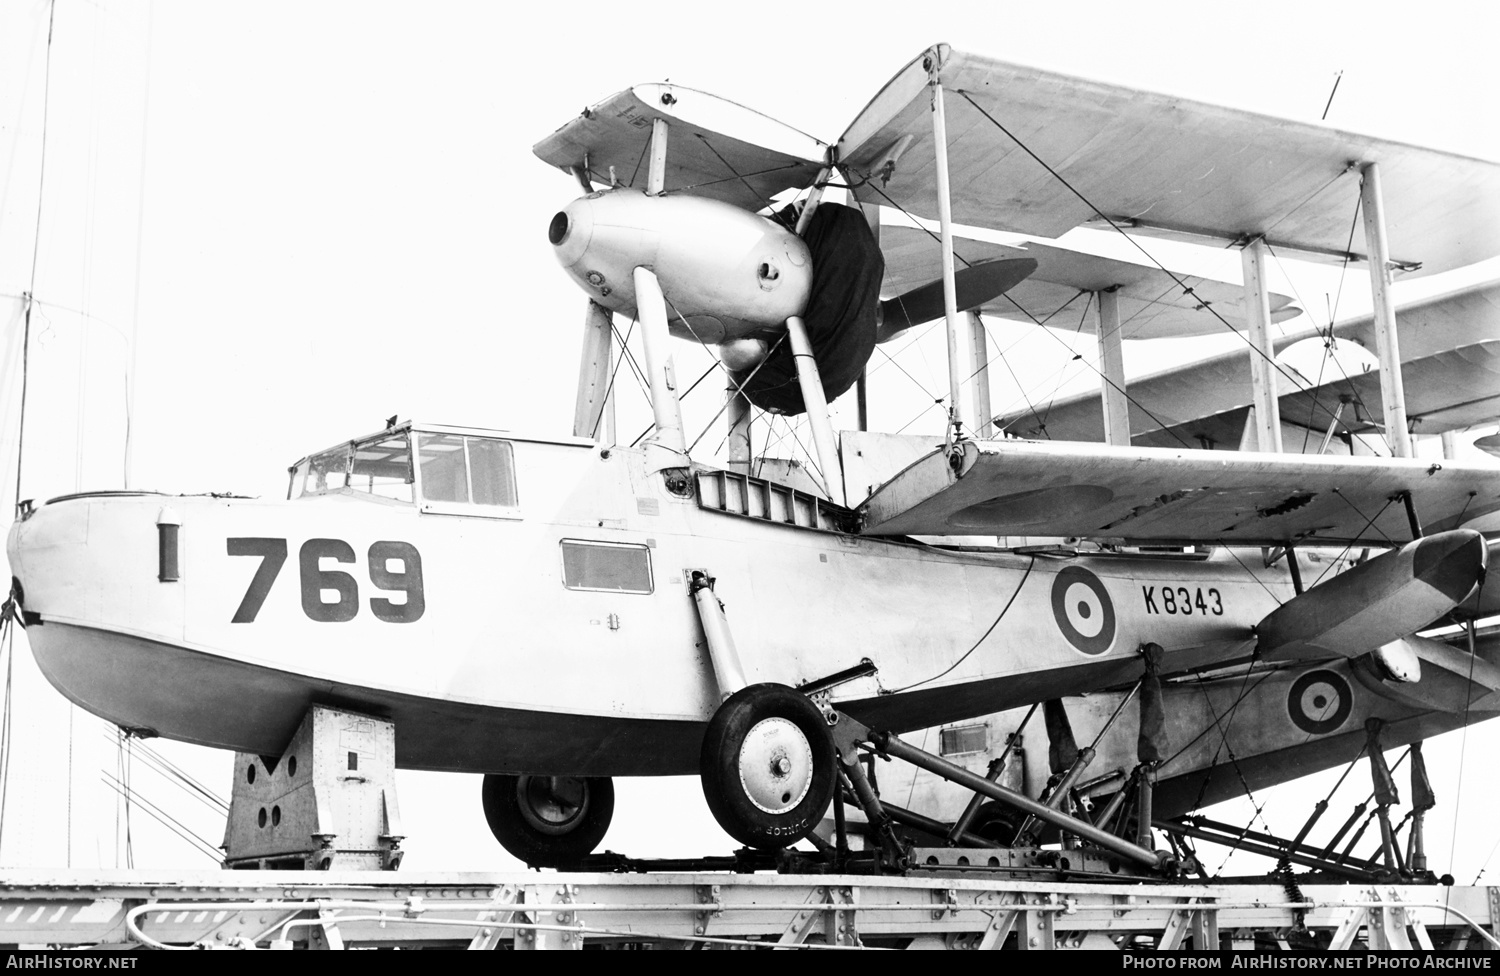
x=964 y=739
x=608 y=567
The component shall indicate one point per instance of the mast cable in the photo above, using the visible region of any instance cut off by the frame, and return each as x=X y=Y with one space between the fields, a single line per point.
x=36 y=243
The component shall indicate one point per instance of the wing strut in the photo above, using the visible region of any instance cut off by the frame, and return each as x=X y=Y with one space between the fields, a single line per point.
x=811 y=384
x=667 y=448
x=979 y=348
x=594 y=409
x=958 y=366
x=1266 y=408
x=1112 y=369
x=1392 y=394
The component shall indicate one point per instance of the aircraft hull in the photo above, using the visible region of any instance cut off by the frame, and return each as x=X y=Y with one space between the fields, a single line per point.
x=497 y=662
x=213 y=700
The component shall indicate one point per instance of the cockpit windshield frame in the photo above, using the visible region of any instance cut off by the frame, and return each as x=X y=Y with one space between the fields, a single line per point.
x=378 y=465
x=452 y=471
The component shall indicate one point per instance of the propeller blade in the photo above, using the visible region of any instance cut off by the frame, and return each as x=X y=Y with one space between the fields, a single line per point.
x=974 y=286
x=1489 y=444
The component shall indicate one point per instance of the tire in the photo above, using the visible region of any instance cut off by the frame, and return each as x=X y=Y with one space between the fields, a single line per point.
x=767 y=766
x=548 y=821
x=996 y=822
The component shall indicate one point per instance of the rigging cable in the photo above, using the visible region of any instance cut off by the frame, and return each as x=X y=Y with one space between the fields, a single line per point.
x=194 y=840
x=173 y=773
x=609 y=388
x=36 y=243
x=1223 y=725
x=982 y=637
x=8 y=649
x=1328 y=341
x=812 y=461
x=1082 y=318
x=1035 y=321
x=640 y=377
x=1332 y=317
x=1463 y=740
x=738 y=390
x=1187 y=290
x=705 y=375
x=775 y=213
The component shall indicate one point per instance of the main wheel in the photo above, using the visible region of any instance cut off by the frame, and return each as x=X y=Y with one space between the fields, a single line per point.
x=548 y=821
x=996 y=822
x=767 y=766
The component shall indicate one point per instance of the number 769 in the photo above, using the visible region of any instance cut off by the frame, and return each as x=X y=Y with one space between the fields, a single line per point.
x=316 y=581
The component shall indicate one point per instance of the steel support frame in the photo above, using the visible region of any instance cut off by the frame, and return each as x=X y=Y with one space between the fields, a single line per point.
x=850 y=735
x=484 y=910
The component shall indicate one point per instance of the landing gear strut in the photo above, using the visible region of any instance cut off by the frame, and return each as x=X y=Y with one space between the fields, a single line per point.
x=548 y=821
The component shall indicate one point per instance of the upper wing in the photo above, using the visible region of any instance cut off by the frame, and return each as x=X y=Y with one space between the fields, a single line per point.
x=1152 y=303
x=1157 y=163
x=611 y=141
x=1149 y=495
x=1449 y=367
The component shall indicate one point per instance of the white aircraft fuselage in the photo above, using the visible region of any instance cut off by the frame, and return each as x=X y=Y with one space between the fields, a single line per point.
x=548 y=628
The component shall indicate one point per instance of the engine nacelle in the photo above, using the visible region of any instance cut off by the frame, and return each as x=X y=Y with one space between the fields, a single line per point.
x=728 y=272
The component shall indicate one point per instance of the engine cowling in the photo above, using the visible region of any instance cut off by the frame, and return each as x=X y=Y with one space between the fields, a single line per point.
x=729 y=273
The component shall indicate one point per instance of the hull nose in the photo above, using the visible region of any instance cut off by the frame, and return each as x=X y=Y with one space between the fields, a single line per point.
x=92 y=559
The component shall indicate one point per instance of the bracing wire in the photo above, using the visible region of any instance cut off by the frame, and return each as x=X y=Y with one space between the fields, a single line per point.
x=1125 y=392
x=982 y=637
x=1187 y=290
x=703 y=376
x=1463 y=740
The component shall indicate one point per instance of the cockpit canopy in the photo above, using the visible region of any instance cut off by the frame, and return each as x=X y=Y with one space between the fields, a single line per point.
x=451 y=470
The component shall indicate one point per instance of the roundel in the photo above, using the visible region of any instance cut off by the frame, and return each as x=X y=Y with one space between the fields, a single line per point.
x=1319 y=702
x=1083 y=610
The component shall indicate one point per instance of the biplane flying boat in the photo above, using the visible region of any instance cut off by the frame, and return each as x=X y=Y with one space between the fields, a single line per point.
x=583 y=610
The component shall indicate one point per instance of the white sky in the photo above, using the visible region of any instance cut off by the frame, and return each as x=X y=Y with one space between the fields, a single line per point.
x=314 y=215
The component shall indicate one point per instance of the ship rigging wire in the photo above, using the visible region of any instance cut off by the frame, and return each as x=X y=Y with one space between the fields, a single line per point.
x=7 y=717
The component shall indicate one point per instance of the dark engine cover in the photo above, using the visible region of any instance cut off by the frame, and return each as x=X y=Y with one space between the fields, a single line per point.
x=841 y=313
